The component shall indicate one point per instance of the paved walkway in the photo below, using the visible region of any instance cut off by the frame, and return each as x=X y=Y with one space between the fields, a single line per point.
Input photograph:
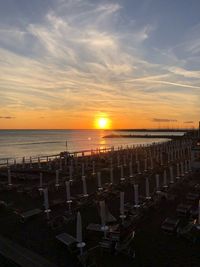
x=22 y=256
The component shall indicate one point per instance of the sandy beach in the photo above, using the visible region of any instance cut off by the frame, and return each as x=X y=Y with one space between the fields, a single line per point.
x=151 y=246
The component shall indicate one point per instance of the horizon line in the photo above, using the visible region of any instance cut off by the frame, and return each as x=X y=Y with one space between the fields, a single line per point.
x=112 y=129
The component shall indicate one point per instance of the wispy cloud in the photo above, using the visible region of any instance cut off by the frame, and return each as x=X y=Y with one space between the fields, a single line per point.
x=85 y=57
x=188 y=122
x=6 y=117
x=163 y=120
x=185 y=73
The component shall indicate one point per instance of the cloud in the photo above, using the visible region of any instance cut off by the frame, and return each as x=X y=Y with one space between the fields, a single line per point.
x=185 y=73
x=192 y=44
x=188 y=122
x=163 y=120
x=83 y=57
x=7 y=117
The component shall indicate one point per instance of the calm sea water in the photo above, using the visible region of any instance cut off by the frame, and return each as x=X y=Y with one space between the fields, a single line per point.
x=19 y=143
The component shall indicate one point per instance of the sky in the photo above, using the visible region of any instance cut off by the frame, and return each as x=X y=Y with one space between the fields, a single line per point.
x=66 y=63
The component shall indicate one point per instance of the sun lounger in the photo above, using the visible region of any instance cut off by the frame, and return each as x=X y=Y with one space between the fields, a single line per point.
x=29 y=214
x=66 y=239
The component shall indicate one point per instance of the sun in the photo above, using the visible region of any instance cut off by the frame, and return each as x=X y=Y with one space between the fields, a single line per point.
x=102 y=123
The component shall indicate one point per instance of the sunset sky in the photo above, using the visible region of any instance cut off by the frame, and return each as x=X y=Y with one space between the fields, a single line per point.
x=66 y=63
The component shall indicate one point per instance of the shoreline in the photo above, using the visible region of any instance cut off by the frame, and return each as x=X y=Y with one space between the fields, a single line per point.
x=47 y=144
x=39 y=233
x=44 y=158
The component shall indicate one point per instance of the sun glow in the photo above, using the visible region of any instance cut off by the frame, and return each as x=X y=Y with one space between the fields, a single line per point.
x=102 y=123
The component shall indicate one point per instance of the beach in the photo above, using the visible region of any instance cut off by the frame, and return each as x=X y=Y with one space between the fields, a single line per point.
x=21 y=194
x=34 y=143
x=99 y=133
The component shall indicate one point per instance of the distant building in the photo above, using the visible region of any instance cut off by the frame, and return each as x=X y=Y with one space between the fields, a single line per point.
x=195 y=156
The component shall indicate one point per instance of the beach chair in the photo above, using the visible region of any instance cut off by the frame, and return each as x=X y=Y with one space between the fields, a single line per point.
x=25 y=216
x=69 y=241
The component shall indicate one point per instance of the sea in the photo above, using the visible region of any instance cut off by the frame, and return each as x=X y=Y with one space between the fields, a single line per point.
x=35 y=143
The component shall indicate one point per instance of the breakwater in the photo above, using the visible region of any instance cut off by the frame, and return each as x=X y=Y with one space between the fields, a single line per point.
x=156 y=136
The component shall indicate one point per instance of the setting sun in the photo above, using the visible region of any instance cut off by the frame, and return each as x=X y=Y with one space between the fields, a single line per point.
x=102 y=123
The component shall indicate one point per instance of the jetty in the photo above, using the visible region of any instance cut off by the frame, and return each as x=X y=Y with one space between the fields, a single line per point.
x=151 y=136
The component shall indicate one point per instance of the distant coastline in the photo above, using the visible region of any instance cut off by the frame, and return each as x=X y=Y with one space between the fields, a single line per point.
x=143 y=136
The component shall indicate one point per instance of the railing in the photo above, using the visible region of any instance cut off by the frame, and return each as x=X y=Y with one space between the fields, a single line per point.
x=81 y=153
x=34 y=159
